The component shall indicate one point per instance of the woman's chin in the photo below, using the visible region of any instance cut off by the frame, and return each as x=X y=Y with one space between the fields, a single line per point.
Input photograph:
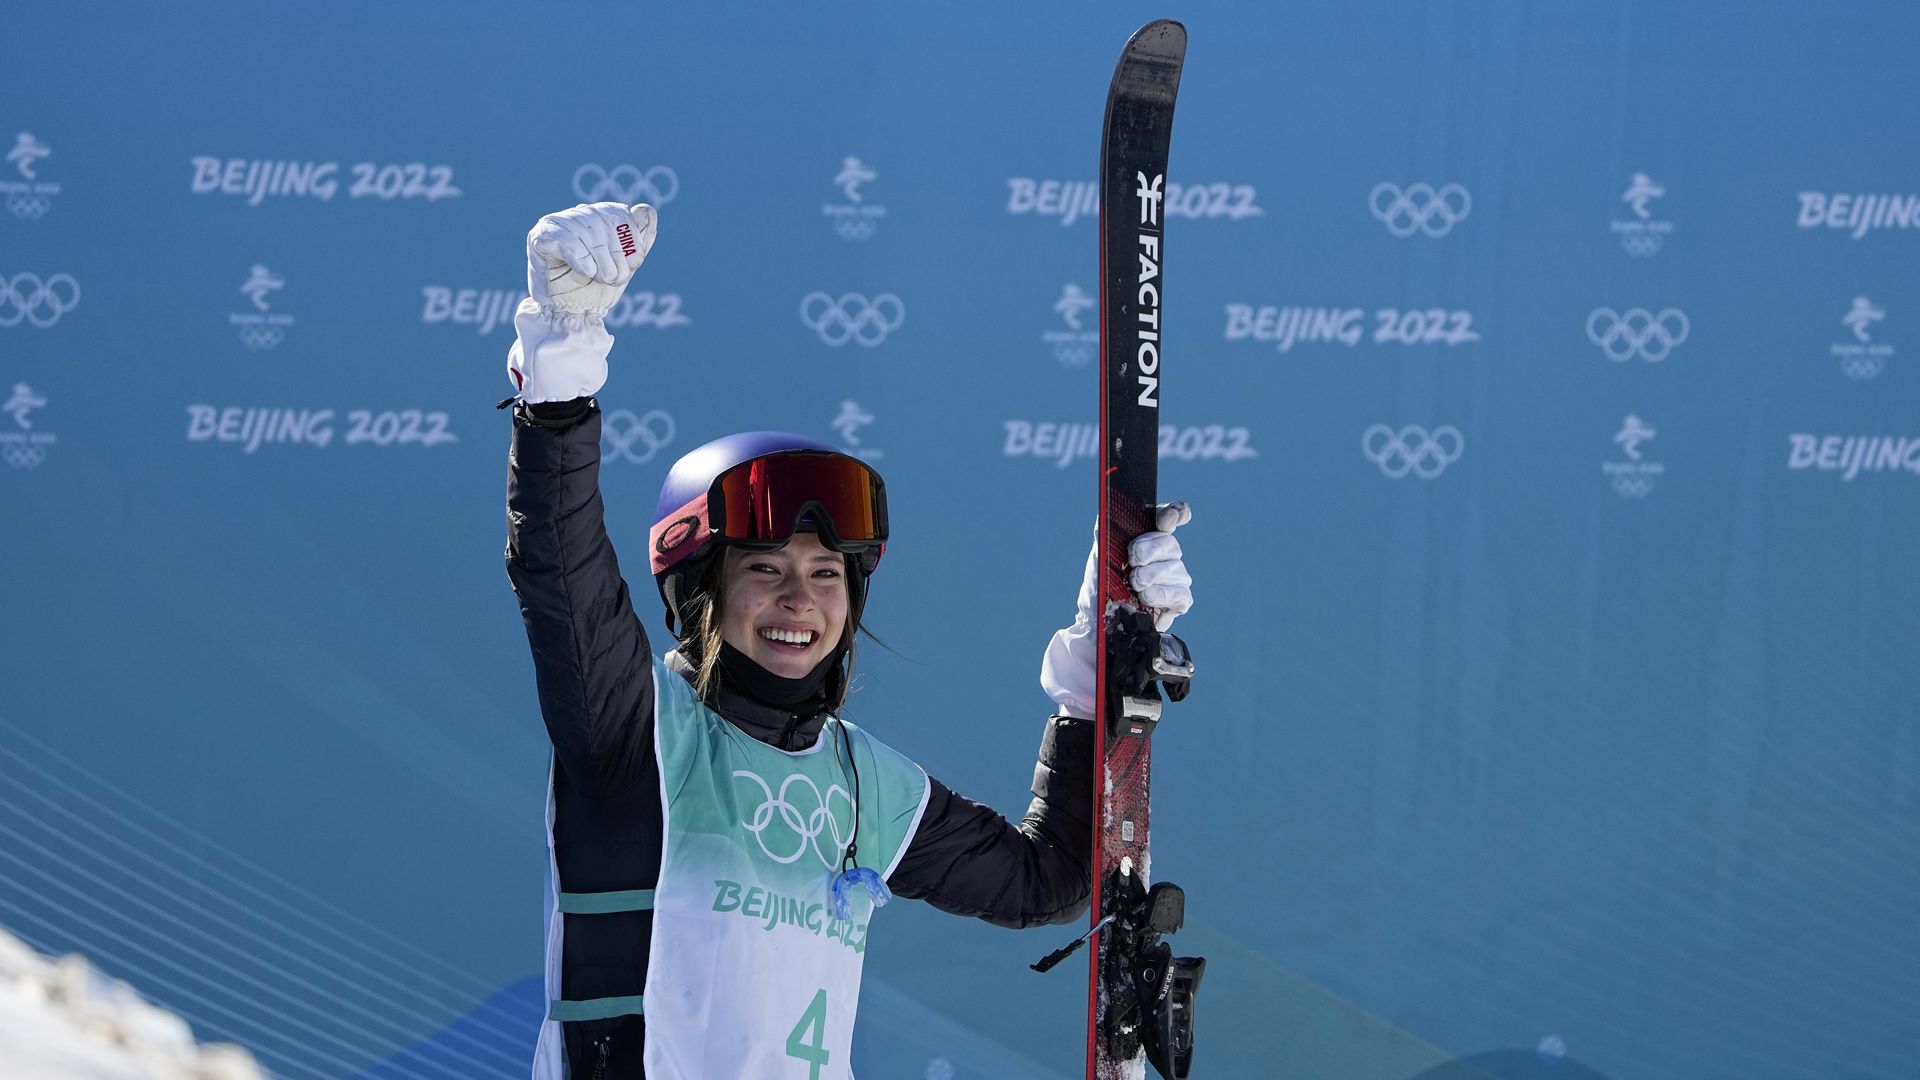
x=787 y=665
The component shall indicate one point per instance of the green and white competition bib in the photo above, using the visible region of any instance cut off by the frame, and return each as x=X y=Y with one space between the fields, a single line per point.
x=750 y=974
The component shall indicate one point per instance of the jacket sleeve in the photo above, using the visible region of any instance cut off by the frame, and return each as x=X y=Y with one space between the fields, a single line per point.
x=968 y=860
x=591 y=660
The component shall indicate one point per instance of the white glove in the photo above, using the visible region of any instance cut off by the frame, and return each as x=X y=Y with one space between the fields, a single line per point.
x=1159 y=579
x=578 y=263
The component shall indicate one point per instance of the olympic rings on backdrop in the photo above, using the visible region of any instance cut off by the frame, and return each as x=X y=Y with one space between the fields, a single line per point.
x=26 y=297
x=262 y=338
x=1860 y=368
x=1632 y=485
x=1073 y=354
x=23 y=455
x=1637 y=332
x=1419 y=208
x=1642 y=244
x=1412 y=449
x=853 y=227
x=29 y=207
x=621 y=431
x=626 y=184
x=852 y=317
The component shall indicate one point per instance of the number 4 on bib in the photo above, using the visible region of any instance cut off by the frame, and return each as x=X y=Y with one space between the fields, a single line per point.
x=812 y=1022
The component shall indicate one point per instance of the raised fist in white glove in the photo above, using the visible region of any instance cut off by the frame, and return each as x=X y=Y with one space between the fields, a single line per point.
x=578 y=263
x=1159 y=578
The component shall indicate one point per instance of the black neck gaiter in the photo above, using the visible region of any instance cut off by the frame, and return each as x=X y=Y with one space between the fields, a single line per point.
x=804 y=696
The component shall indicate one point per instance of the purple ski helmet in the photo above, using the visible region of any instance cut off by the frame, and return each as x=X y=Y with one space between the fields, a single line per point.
x=755 y=490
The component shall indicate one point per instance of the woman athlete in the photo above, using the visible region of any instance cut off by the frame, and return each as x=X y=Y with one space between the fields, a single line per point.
x=720 y=837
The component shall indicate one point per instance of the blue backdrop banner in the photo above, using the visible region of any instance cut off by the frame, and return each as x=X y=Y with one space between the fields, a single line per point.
x=1543 y=377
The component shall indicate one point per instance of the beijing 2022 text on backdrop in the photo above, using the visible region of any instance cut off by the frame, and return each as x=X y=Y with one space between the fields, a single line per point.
x=1545 y=378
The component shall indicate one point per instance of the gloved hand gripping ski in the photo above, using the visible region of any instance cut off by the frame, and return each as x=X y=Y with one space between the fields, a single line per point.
x=578 y=263
x=1158 y=575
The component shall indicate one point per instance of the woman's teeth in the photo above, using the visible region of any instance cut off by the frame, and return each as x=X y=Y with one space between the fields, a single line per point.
x=788 y=637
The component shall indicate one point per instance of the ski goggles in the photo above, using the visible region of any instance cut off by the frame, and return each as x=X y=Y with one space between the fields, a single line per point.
x=760 y=504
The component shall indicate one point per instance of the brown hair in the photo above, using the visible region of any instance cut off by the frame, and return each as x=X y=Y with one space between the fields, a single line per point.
x=701 y=639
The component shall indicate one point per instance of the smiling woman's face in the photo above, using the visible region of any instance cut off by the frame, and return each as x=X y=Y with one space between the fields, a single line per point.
x=785 y=609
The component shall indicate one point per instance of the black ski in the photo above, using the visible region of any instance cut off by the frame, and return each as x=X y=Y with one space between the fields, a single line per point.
x=1140 y=1002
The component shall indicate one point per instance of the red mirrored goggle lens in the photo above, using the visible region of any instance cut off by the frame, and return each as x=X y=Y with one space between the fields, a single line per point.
x=760 y=500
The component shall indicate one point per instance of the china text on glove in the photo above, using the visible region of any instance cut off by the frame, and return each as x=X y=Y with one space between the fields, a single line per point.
x=578 y=263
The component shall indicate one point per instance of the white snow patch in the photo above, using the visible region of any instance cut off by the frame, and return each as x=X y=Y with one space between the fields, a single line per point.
x=62 y=1020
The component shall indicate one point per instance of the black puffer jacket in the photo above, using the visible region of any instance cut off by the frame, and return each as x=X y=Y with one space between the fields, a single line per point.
x=592 y=664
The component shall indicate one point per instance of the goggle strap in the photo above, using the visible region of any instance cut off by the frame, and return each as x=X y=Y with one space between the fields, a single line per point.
x=680 y=534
